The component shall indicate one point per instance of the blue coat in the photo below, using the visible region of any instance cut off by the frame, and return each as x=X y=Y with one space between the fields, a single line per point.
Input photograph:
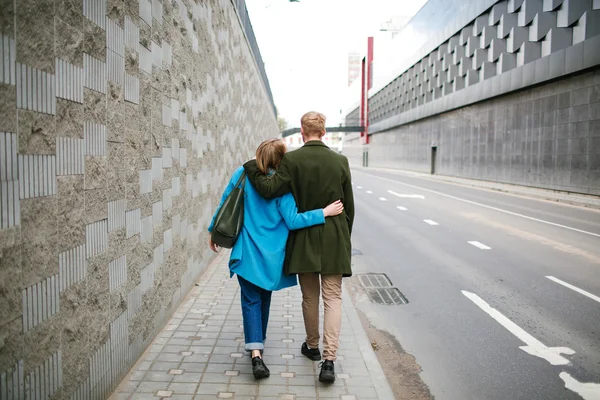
x=259 y=251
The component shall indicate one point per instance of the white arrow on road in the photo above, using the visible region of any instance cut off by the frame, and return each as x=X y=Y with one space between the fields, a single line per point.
x=407 y=196
x=589 y=391
x=534 y=346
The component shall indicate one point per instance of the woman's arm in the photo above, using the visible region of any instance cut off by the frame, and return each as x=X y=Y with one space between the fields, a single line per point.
x=294 y=220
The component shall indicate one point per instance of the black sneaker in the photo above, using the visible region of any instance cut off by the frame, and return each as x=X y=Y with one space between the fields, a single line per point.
x=259 y=369
x=313 y=354
x=327 y=374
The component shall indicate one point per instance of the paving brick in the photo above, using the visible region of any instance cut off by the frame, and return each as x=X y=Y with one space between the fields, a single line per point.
x=183 y=388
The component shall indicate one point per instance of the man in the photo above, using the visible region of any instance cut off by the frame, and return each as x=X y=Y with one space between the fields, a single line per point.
x=320 y=255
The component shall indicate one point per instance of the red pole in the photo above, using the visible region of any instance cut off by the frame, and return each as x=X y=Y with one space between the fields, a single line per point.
x=367 y=83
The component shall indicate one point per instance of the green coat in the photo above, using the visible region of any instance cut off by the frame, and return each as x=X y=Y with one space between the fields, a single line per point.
x=316 y=176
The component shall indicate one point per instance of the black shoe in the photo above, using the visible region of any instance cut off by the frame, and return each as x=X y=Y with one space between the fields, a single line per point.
x=313 y=354
x=259 y=369
x=327 y=374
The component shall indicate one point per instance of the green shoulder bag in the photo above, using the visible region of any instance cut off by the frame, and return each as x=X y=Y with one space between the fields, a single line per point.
x=230 y=218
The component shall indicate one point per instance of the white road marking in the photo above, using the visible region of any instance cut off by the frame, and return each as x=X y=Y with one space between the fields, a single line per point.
x=480 y=245
x=359 y=187
x=534 y=346
x=430 y=222
x=369 y=192
x=407 y=196
x=589 y=391
x=575 y=288
x=382 y=199
x=486 y=206
x=401 y=208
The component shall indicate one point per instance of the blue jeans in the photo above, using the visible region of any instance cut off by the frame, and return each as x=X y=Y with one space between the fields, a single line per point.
x=256 y=303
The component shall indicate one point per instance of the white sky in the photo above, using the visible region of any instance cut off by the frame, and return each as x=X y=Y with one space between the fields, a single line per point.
x=305 y=48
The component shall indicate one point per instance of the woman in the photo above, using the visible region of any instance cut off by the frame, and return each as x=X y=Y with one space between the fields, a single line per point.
x=258 y=254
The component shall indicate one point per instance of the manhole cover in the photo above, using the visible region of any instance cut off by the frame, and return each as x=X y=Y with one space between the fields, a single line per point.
x=388 y=296
x=374 y=280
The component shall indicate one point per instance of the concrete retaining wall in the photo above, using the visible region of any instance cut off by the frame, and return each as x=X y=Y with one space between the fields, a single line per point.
x=120 y=123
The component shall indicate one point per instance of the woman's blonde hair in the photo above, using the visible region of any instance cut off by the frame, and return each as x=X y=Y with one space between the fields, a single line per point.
x=269 y=154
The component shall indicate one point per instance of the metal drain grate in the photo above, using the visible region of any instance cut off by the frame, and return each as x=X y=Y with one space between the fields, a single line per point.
x=379 y=289
x=374 y=280
x=388 y=296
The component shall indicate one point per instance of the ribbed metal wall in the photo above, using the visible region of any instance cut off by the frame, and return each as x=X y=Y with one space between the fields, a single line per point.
x=94 y=72
x=115 y=37
x=134 y=301
x=132 y=89
x=100 y=384
x=119 y=340
x=176 y=225
x=70 y=158
x=168 y=239
x=117 y=272
x=166 y=115
x=159 y=256
x=95 y=11
x=167 y=160
x=36 y=90
x=157 y=214
x=45 y=379
x=40 y=302
x=37 y=175
x=147 y=277
x=96 y=238
x=12 y=383
x=133 y=222
x=115 y=65
x=82 y=392
x=8 y=65
x=183 y=124
x=72 y=267
x=116 y=214
x=94 y=136
x=167 y=53
x=132 y=34
x=145 y=181
x=157 y=11
x=145 y=59
x=176 y=186
x=147 y=230
x=69 y=81
x=10 y=214
x=157 y=169
x=146 y=11
x=167 y=199
x=183 y=158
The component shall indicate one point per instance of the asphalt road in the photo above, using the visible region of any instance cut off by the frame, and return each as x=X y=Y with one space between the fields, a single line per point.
x=484 y=320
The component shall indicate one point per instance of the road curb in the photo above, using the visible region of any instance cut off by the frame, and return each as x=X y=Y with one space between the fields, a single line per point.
x=382 y=386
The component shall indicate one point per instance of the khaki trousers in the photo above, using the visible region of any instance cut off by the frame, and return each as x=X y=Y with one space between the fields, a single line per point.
x=330 y=286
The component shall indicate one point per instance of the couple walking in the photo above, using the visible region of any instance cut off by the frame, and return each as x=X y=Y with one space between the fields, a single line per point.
x=298 y=214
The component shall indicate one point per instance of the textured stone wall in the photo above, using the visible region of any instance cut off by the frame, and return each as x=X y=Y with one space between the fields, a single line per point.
x=547 y=136
x=120 y=123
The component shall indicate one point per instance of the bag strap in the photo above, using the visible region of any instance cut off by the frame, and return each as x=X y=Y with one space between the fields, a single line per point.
x=241 y=180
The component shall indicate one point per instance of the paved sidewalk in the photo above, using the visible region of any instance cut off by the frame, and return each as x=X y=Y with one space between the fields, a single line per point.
x=200 y=353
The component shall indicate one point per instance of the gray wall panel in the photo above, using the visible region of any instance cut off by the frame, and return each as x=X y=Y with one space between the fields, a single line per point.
x=553 y=160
